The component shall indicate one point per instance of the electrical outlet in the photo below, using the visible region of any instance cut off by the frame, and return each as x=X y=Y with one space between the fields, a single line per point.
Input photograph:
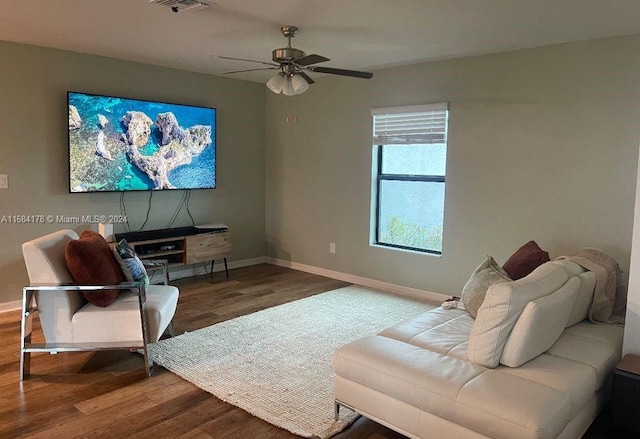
x=4 y=181
x=332 y=247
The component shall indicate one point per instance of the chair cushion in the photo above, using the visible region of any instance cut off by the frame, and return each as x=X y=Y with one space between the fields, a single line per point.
x=526 y=259
x=540 y=324
x=90 y=261
x=502 y=307
x=121 y=322
x=485 y=275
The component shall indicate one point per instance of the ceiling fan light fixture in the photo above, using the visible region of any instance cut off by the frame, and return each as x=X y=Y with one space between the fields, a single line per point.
x=287 y=88
x=276 y=83
x=288 y=85
x=299 y=84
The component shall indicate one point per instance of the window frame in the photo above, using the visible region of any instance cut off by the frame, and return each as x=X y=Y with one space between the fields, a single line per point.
x=429 y=136
x=380 y=177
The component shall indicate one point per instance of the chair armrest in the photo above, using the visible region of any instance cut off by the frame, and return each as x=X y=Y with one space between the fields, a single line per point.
x=27 y=292
x=74 y=287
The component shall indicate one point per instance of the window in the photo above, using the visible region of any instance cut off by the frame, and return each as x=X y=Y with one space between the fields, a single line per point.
x=410 y=149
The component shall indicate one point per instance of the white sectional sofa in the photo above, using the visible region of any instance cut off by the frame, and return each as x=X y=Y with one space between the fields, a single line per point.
x=531 y=365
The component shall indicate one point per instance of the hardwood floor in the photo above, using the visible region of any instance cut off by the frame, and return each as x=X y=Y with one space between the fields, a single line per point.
x=107 y=395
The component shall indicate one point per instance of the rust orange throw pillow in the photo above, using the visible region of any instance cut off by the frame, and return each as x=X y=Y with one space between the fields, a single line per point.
x=526 y=259
x=90 y=261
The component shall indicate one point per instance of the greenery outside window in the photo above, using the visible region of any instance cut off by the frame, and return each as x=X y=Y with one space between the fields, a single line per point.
x=409 y=167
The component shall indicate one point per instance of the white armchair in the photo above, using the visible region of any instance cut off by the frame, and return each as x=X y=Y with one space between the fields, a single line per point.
x=140 y=315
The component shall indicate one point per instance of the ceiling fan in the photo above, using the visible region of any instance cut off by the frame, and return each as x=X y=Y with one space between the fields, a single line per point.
x=293 y=64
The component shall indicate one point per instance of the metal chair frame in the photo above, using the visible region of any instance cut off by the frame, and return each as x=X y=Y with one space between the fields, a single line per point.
x=29 y=309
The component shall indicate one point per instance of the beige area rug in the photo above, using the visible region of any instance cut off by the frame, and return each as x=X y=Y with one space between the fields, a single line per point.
x=276 y=363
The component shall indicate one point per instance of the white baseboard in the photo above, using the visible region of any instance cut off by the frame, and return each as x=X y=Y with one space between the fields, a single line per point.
x=364 y=281
x=10 y=306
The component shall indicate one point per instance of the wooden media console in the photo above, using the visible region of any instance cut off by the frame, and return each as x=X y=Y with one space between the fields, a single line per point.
x=184 y=250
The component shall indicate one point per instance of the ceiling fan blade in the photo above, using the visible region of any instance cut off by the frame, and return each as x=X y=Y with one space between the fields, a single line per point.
x=248 y=60
x=342 y=72
x=310 y=59
x=306 y=77
x=249 y=70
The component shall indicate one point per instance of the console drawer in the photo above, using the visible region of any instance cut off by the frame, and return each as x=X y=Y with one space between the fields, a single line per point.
x=207 y=247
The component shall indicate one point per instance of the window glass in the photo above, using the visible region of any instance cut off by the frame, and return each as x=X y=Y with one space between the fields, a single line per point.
x=411 y=214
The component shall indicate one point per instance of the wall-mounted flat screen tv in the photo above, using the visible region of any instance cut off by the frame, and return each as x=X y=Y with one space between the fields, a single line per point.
x=118 y=144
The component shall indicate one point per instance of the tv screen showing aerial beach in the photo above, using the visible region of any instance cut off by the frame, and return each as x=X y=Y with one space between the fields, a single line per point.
x=118 y=144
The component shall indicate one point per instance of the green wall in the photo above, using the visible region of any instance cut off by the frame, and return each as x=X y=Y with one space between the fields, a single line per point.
x=543 y=145
x=33 y=149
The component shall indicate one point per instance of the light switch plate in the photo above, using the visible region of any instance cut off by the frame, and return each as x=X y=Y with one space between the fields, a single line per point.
x=4 y=181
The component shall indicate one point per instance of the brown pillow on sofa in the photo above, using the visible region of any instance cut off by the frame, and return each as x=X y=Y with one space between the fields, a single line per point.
x=526 y=259
x=90 y=261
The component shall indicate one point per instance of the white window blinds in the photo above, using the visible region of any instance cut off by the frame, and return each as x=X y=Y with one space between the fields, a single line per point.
x=421 y=124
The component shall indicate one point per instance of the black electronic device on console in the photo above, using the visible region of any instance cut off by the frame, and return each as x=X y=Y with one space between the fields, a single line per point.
x=148 y=235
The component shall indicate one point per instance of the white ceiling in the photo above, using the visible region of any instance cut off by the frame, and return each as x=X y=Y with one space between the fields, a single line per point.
x=354 y=34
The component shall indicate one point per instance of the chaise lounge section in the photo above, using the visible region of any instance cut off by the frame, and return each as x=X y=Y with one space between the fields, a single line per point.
x=531 y=365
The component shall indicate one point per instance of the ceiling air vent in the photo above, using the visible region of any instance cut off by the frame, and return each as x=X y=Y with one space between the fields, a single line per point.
x=181 y=5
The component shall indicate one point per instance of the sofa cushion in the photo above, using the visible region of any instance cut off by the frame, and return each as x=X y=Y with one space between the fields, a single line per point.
x=574 y=379
x=445 y=331
x=485 y=275
x=417 y=376
x=526 y=259
x=502 y=307
x=501 y=405
x=540 y=324
x=90 y=261
x=596 y=345
x=584 y=298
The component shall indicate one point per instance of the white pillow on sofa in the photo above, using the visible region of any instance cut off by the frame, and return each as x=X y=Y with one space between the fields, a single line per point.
x=585 y=293
x=501 y=308
x=584 y=298
x=540 y=325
